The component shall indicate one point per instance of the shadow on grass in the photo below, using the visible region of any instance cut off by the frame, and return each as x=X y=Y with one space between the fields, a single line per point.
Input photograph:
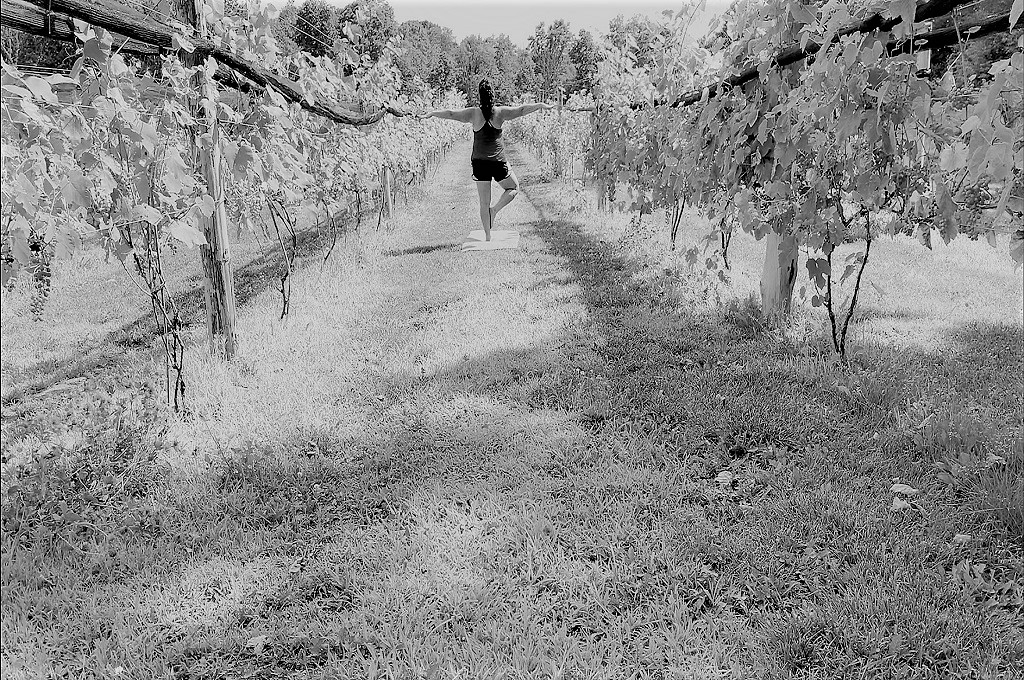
x=245 y=545
x=660 y=360
x=293 y=547
x=983 y=361
x=422 y=250
x=744 y=386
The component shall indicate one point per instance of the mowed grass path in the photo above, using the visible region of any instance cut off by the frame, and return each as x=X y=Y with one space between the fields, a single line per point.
x=541 y=463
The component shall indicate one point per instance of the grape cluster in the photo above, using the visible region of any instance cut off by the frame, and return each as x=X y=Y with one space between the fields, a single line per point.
x=973 y=197
x=970 y=216
x=7 y=260
x=42 y=272
x=244 y=202
x=100 y=201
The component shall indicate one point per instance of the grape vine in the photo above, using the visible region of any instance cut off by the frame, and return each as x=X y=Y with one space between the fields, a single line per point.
x=835 y=149
x=105 y=151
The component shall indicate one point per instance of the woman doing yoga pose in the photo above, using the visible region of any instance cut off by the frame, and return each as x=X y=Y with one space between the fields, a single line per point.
x=488 y=158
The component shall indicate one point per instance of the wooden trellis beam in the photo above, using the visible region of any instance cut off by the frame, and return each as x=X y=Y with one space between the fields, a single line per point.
x=131 y=23
x=32 y=19
x=793 y=53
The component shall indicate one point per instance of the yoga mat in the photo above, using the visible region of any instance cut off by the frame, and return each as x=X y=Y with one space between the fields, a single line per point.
x=500 y=240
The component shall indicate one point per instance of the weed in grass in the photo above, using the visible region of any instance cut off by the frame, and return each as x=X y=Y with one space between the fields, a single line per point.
x=991 y=483
x=951 y=430
x=746 y=316
x=326 y=588
x=93 y=473
x=258 y=490
x=1000 y=492
x=878 y=395
x=803 y=641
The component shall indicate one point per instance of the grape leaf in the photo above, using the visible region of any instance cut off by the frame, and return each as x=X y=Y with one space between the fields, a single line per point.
x=904 y=489
x=67 y=242
x=60 y=79
x=1017 y=247
x=900 y=504
x=850 y=270
x=117 y=65
x=953 y=157
x=206 y=205
x=76 y=190
x=8 y=270
x=103 y=109
x=41 y=89
x=945 y=207
x=180 y=42
x=148 y=213
x=19 y=243
x=176 y=172
x=818 y=270
x=243 y=157
x=801 y=13
x=17 y=91
x=96 y=50
x=186 y=233
x=150 y=137
x=924 y=236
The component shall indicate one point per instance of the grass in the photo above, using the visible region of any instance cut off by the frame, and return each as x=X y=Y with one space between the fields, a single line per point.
x=567 y=461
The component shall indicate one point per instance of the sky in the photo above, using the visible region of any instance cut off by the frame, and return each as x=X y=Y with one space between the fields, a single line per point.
x=518 y=18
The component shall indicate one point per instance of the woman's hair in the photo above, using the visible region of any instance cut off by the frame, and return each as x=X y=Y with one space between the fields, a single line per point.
x=486 y=98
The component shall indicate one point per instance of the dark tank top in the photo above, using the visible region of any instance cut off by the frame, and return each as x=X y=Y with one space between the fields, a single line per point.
x=487 y=144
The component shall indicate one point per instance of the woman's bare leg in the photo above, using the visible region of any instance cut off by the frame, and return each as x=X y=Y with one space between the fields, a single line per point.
x=511 y=186
x=483 y=190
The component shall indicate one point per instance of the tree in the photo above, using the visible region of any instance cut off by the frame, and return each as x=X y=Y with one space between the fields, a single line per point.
x=283 y=27
x=35 y=50
x=376 y=19
x=633 y=36
x=526 y=75
x=549 y=49
x=506 y=59
x=978 y=54
x=444 y=77
x=315 y=27
x=476 y=61
x=428 y=52
x=583 y=56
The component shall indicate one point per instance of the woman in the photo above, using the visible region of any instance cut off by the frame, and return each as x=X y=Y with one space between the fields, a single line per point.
x=488 y=158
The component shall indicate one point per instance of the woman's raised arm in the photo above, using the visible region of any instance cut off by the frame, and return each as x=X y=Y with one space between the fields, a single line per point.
x=510 y=112
x=461 y=115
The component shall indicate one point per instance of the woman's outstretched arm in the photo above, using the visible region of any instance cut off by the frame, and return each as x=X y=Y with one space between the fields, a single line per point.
x=510 y=112
x=461 y=115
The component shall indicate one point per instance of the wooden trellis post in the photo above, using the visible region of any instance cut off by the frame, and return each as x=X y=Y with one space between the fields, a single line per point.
x=389 y=204
x=218 y=281
x=779 y=274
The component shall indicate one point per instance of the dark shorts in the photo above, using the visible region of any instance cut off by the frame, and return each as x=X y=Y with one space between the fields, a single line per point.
x=485 y=171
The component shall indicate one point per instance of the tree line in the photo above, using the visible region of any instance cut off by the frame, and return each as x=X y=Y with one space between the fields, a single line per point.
x=556 y=59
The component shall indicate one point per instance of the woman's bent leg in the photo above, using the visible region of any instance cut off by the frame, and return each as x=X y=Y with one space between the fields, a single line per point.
x=483 y=190
x=511 y=186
